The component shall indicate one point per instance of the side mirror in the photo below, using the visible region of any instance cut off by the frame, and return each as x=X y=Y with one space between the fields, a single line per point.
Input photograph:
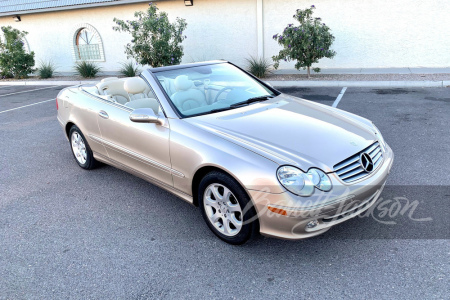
x=145 y=115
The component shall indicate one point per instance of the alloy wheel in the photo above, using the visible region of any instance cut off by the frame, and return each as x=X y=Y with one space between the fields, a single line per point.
x=223 y=209
x=79 y=148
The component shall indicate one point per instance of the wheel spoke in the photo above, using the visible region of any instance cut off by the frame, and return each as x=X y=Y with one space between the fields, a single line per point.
x=215 y=217
x=226 y=226
x=212 y=203
x=215 y=191
x=226 y=195
x=234 y=208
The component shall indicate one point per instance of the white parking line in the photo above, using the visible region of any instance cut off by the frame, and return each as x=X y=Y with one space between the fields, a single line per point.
x=54 y=99
x=28 y=91
x=338 y=99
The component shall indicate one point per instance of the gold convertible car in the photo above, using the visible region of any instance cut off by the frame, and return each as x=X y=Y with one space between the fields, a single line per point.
x=253 y=159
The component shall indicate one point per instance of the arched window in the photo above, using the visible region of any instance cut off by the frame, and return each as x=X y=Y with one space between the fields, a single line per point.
x=87 y=44
x=26 y=46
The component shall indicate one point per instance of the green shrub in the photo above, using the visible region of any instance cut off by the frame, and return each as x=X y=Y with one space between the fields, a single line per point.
x=14 y=60
x=155 y=41
x=86 y=69
x=259 y=67
x=306 y=43
x=129 y=69
x=46 y=69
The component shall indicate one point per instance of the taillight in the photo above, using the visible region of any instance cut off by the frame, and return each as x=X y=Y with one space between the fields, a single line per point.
x=57 y=107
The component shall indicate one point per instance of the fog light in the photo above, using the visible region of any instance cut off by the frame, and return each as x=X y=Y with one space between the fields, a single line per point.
x=312 y=224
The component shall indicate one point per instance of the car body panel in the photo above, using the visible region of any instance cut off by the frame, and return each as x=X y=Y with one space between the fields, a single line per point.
x=249 y=143
x=300 y=210
x=297 y=131
x=79 y=109
x=192 y=148
x=142 y=146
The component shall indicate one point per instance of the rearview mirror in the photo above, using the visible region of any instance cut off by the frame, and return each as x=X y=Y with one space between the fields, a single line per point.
x=145 y=115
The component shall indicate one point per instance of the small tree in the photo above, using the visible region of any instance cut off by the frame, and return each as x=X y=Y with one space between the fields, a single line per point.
x=14 y=61
x=155 y=41
x=306 y=43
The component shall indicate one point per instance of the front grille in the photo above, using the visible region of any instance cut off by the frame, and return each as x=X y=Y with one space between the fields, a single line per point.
x=350 y=169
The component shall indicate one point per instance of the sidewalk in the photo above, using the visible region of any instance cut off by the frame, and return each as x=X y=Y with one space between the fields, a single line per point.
x=48 y=82
x=343 y=83
x=370 y=71
x=386 y=77
x=360 y=77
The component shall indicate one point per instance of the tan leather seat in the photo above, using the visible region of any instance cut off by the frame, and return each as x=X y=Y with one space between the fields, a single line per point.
x=109 y=79
x=187 y=96
x=137 y=90
x=144 y=103
x=114 y=88
x=169 y=86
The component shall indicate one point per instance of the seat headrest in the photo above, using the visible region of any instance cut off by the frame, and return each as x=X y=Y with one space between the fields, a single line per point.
x=182 y=83
x=109 y=79
x=134 y=85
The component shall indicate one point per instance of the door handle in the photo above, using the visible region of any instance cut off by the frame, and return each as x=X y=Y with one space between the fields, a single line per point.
x=103 y=114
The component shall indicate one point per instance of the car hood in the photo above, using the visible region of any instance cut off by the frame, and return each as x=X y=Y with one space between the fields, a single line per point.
x=289 y=130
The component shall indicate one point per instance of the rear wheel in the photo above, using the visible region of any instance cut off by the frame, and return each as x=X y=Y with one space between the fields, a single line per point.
x=226 y=208
x=80 y=149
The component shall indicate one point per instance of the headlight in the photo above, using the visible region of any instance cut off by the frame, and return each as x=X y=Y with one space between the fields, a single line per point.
x=319 y=179
x=303 y=184
x=380 y=137
x=295 y=181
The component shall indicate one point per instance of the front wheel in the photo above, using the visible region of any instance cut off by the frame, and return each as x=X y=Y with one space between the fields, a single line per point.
x=226 y=208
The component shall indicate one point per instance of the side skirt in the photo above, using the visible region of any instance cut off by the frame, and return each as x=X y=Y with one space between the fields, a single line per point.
x=111 y=162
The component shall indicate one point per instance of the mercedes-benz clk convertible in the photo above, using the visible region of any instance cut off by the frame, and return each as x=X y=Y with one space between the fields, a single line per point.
x=253 y=159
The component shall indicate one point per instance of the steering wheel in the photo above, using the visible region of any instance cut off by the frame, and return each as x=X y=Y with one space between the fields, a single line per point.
x=221 y=91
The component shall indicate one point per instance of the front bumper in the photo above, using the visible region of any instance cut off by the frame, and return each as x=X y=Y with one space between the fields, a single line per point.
x=286 y=215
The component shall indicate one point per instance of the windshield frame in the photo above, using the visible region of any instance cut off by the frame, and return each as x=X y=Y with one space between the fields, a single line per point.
x=154 y=71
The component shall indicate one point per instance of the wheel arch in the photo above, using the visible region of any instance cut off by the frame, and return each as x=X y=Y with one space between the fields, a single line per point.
x=67 y=128
x=201 y=172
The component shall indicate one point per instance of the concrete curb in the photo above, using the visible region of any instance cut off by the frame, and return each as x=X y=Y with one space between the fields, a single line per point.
x=385 y=84
x=360 y=71
x=39 y=82
x=298 y=83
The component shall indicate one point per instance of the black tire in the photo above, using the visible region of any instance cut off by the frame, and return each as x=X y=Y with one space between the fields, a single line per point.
x=250 y=225
x=90 y=163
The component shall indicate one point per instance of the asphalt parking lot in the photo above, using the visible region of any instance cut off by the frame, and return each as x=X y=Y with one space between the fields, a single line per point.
x=66 y=233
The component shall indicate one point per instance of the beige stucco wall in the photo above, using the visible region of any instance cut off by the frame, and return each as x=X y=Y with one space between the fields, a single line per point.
x=369 y=34
x=215 y=31
x=373 y=33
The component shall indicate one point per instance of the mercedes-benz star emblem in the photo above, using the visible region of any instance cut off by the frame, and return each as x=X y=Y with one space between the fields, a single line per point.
x=366 y=162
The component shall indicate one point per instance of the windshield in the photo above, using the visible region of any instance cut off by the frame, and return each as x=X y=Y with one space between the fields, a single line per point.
x=210 y=88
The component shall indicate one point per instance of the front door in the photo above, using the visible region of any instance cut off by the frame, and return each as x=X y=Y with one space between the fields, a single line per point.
x=143 y=147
